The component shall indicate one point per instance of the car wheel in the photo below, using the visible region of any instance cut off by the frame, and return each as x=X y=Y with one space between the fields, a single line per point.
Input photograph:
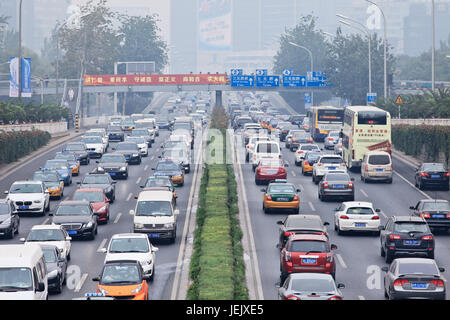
x=382 y=252
x=257 y=181
x=385 y=294
x=265 y=210
x=431 y=255
x=153 y=274
x=59 y=288
x=11 y=234
x=389 y=181
x=388 y=257
x=247 y=158
x=421 y=186
x=68 y=257
x=339 y=231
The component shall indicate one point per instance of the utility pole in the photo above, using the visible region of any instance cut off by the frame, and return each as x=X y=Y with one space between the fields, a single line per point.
x=20 y=49
x=432 y=47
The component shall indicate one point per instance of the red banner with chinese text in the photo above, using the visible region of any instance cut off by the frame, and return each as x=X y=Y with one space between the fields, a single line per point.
x=159 y=79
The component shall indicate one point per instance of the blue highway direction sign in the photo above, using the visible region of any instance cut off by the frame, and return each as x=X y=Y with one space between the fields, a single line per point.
x=267 y=81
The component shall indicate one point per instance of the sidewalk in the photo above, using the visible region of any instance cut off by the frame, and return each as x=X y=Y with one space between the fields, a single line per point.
x=57 y=139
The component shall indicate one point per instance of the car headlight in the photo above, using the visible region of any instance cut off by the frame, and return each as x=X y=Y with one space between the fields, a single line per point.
x=168 y=225
x=139 y=226
x=102 y=290
x=102 y=209
x=100 y=169
x=37 y=201
x=53 y=274
x=64 y=174
x=135 y=155
x=146 y=262
x=138 y=289
x=6 y=222
x=89 y=224
x=123 y=169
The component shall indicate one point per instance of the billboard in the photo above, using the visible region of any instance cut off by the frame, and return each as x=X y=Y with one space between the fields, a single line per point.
x=214 y=25
x=14 y=77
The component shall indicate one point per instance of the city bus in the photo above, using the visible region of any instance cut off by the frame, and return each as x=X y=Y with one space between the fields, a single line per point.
x=324 y=119
x=366 y=128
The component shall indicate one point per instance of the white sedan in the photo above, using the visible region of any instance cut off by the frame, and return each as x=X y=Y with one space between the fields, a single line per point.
x=302 y=150
x=50 y=234
x=356 y=216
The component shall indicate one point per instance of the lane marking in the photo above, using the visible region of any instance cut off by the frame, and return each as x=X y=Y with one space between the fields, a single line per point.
x=118 y=217
x=152 y=157
x=81 y=282
x=302 y=189
x=384 y=214
x=412 y=185
x=146 y=167
x=293 y=173
x=102 y=245
x=138 y=180
x=341 y=261
x=364 y=193
x=45 y=221
x=129 y=197
x=311 y=206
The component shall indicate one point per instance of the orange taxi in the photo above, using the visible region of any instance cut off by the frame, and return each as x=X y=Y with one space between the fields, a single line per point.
x=308 y=162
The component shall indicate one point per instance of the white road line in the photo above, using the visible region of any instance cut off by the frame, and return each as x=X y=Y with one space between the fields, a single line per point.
x=384 y=214
x=129 y=197
x=152 y=157
x=341 y=261
x=118 y=217
x=361 y=298
x=408 y=182
x=443 y=278
x=311 y=206
x=293 y=173
x=45 y=221
x=364 y=193
x=302 y=189
x=102 y=245
x=138 y=180
x=81 y=282
x=146 y=167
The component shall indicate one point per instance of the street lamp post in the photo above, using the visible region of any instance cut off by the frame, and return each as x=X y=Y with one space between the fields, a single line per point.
x=364 y=29
x=384 y=47
x=432 y=47
x=20 y=49
x=312 y=63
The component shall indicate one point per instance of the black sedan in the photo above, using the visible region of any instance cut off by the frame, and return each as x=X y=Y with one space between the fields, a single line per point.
x=432 y=175
x=115 y=133
x=406 y=236
x=101 y=181
x=336 y=185
x=435 y=212
x=80 y=151
x=56 y=267
x=408 y=278
x=10 y=221
x=130 y=150
x=114 y=164
x=77 y=218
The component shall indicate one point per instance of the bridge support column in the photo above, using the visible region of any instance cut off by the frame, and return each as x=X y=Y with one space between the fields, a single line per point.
x=219 y=98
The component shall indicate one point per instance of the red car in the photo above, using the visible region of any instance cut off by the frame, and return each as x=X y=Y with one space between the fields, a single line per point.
x=307 y=253
x=98 y=200
x=269 y=170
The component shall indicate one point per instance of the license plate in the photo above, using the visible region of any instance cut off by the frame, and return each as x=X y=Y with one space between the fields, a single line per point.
x=439 y=216
x=153 y=235
x=379 y=170
x=416 y=285
x=338 y=186
x=271 y=172
x=112 y=173
x=309 y=261
x=360 y=224
x=331 y=168
x=413 y=242
x=127 y=158
x=24 y=207
x=435 y=176
x=282 y=199
x=91 y=152
x=71 y=232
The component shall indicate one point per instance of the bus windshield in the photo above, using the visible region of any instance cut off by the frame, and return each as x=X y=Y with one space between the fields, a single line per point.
x=330 y=115
x=372 y=117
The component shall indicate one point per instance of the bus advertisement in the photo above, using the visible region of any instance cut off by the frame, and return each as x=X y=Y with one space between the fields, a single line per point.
x=324 y=119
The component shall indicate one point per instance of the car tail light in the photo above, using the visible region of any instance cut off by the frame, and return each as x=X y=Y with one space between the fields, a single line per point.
x=300 y=151
x=330 y=139
x=268 y=197
x=438 y=283
x=342 y=164
x=425 y=215
x=394 y=237
x=325 y=185
x=448 y=215
x=350 y=185
x=306 y=163
x=400 y=282
x=281 y=170
x=292 y=297
x=288 y=233
x=366 y=169
x=446 y=174
x=296 y=198
x=293 y=139
x=335 y=298
x=344 y=217
x=424 y=174
x=427 y=238
x=375 y=218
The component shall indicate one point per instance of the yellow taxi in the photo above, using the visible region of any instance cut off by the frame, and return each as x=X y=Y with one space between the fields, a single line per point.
x=52 y=181
x=281 y=195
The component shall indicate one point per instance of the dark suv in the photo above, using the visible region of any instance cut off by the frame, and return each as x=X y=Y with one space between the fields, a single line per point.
x=406 y=236
x=9 y=219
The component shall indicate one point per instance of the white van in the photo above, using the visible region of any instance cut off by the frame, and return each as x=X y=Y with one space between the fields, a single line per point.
x=265 y=149
x=155 y=215
x=23 y=273
x=376 y=165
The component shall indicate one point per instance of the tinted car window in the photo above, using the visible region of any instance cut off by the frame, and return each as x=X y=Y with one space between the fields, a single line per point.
x=420 y=268
x=45 y=235
x=312 y=285
x=305 y=246
x=88 y=196
x=359 y=210
x=73 y=211
x=112 y=158
x=436 y=206
x=337 y=177
x=331 y=160
x=122 y=274
x=410 y=227
x=434 y=167
x=26 y=188
x=268 y=148
x=379 y=159
x=96 y=179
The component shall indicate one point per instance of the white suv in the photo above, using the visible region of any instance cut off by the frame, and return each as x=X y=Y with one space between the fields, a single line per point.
x=94 y=145
x=327 y=163
x=29 y=197
x=132 y=246
x=265 y=149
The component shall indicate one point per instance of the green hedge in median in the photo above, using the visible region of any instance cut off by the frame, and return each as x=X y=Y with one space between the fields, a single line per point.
x=17 y=144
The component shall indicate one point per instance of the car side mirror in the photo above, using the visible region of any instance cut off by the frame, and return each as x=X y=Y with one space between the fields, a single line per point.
x=6 y=192
x=50 y=214
x=333 y=247
x=341 y=286
x=263 y=190
x=336 y=209
x=381 y=228
x=412 y=208
x=103 y=250
x=441 y=269
x=132 y=212
x=41 y=287
x=155 y=249
x=47 y=192
x=385 y=269
x=326 y=223
x=68 y=238
x=278 y=285
x=22 y=239
x=280 y=222
x=136 y=197
x=78 y=182
x=96 y=161
x=298 y=190
x=352 y=179
x=96 y=279
x=377 y=210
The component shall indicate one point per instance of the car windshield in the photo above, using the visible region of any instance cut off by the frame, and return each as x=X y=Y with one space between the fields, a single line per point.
x=337 y=177
x=167 y=166
x=379 y=159
x=114 y=128
x=66 y=156
x=73 y=210
x=312 y=285
x=46 y=177
x=122 y=274
x=26 y=188
x=301 y=135
x=12 y=279
x=93 y=140
x=139 y=133
x=309 y=147
x=110 y=158
x=45 y=235
x=418 y=268
x=90 y=196
x=406 y=227
x=436 y=206
x=96 y=179
x=281 y=188
x=434 y=167
x=4 y=208
x=312 y=156
x=74 y=147
x=333 y=134
x=128 y=245
x=49 y=255
x=333 y=160
x=56 y=165
x=154 y=208
x=138 y=140
x=308 y=245
x=127 y=146
x=359 y=210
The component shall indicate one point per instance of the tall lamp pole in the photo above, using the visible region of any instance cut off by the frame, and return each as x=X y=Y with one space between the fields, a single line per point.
x=312 y=63
x=432 y=48
x=20 y=49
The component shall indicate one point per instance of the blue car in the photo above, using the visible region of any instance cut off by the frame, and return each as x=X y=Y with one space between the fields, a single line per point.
x=63 y=168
